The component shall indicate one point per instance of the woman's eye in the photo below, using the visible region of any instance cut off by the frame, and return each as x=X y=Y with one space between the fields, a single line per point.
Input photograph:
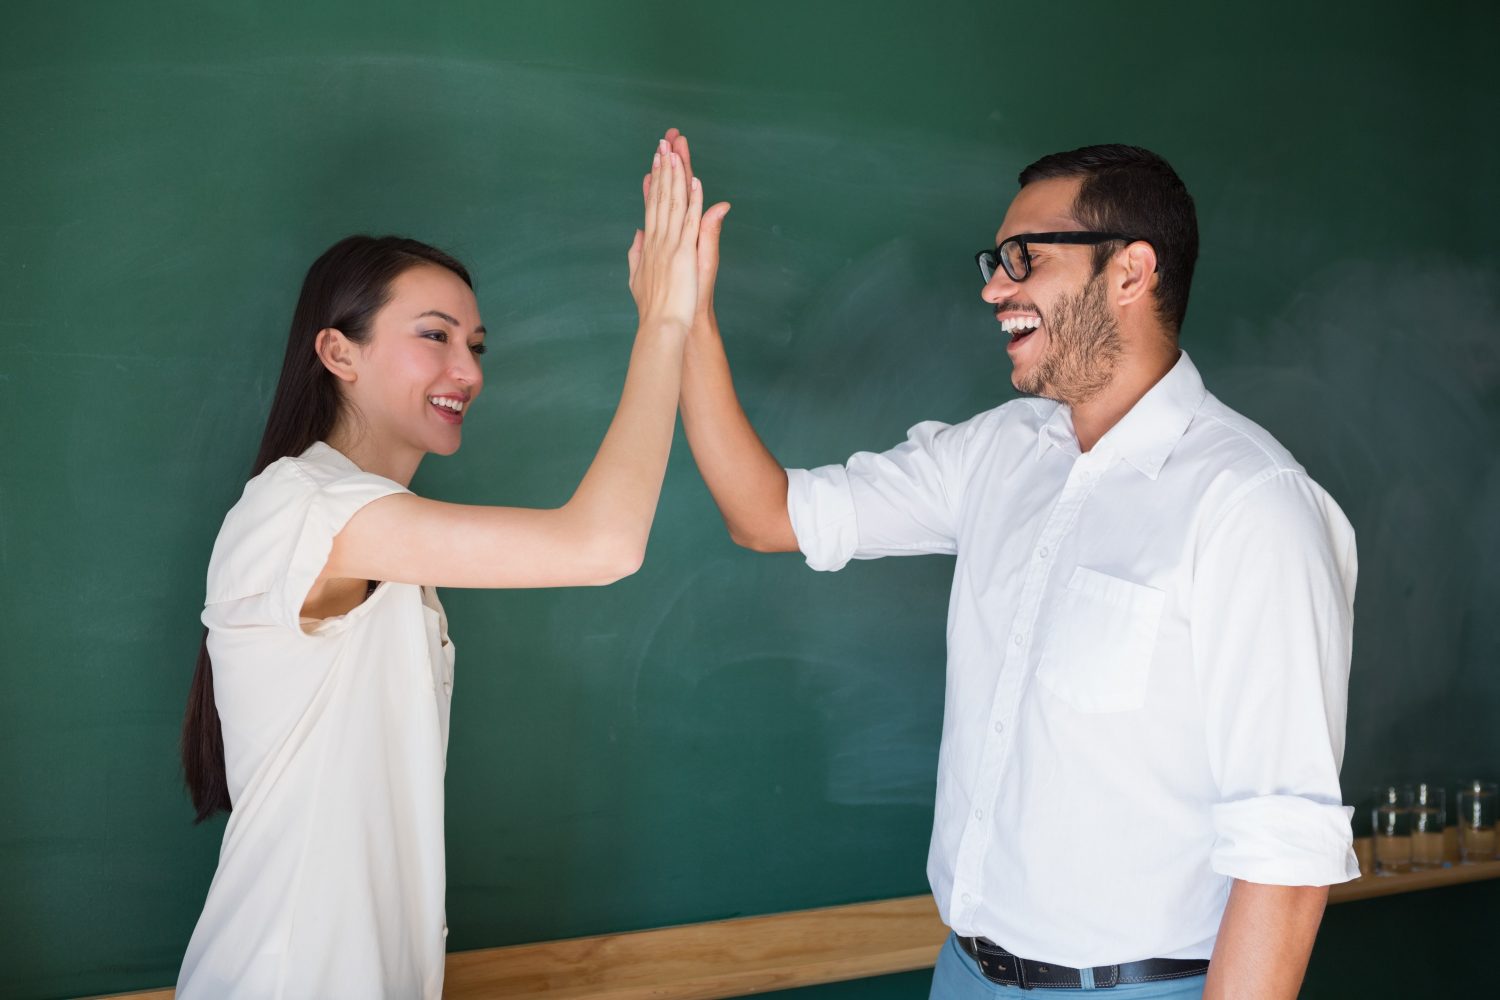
x=441 y=336
x=478 y=348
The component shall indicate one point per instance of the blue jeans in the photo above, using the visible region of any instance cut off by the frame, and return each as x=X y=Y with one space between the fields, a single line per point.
x=957 y=977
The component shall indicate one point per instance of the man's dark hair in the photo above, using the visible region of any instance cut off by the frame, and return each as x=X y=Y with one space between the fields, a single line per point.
x=1127 y=189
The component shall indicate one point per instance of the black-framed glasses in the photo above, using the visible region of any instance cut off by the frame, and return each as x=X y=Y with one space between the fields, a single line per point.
x=1014 y=256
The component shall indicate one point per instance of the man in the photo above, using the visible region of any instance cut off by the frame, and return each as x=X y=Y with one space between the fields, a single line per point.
x=1150 y=625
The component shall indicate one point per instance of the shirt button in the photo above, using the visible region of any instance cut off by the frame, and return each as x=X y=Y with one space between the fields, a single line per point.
x=1041 y=553
x=1017 y=639
x=999 y=727
x=968 y=898
x=979 y=814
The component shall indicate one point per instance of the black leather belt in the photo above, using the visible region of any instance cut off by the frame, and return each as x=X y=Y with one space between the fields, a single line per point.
x=1000 y=966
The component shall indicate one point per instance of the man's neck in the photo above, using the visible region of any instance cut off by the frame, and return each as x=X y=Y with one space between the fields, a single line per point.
x=1133 y=379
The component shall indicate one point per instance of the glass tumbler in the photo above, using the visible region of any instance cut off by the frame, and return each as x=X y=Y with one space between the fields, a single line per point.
x=1429 y=814
x=1391 y=820
x=1476 y=822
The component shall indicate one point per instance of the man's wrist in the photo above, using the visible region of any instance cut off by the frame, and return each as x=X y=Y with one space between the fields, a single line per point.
x=706 y=324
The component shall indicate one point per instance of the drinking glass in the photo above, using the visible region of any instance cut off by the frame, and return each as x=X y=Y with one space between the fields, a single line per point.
x=1428 y=815
x=1476 y=822
x=1391 y=819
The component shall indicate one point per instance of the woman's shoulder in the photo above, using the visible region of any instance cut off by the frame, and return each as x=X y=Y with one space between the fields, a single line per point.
x=278 y=488
x=312 y=470
x=271 y=517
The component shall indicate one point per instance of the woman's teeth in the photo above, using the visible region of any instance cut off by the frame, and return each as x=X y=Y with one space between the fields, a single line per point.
x=456 y=405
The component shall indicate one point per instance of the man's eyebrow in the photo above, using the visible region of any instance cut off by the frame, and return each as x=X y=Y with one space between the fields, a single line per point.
x=446 y=318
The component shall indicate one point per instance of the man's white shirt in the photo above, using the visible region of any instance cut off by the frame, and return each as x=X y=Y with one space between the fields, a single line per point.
x=1148 y=663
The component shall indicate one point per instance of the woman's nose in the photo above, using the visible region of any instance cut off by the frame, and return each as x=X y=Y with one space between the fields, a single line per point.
x=466 y=369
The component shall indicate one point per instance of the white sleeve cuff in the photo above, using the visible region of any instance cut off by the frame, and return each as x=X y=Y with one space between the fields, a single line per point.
x=821 y=509
x=1284 y=840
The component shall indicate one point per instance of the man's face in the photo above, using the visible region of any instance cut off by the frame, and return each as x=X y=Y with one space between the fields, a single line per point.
x=1073 y=353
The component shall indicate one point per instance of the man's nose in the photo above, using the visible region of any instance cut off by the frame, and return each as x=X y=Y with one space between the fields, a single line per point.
x=1000 y=287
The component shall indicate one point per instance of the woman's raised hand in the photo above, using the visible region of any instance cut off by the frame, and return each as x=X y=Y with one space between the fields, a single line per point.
x=664 y=255
x=600 y=534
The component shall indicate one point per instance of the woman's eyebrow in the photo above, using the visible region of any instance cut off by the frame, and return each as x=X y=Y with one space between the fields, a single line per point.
x=446 y=318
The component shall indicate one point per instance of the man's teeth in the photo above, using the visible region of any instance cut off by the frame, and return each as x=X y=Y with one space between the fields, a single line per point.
x=455 y=405
x=1020 y=324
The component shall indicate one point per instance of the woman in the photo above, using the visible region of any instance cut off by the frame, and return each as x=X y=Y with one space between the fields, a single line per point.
x=326 y=658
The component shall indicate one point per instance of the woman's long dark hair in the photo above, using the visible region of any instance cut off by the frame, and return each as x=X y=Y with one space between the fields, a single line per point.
x=344 y=289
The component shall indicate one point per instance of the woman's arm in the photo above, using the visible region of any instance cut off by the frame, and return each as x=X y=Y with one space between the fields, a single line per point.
x=600 y=534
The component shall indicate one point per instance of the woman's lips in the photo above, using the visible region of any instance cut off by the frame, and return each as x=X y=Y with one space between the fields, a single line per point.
x=447 y=415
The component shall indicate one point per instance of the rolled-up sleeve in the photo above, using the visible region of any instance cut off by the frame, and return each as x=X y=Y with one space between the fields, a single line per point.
x=898 y=502
x=1273 y=616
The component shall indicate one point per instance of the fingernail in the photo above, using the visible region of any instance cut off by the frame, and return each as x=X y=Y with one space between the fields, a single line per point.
x=655 y=160
x=695 y=184
x=676 y=160
x=661 y=145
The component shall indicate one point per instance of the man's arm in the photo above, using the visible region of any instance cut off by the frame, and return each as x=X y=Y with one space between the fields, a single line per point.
x=1272 y=615
x=746 y=481
x=904 y=496
x=1265 y=939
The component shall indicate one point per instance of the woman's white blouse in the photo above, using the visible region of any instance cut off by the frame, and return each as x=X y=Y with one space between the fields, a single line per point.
x=331 y=874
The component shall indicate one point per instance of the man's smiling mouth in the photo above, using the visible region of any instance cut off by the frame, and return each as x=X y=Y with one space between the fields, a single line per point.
x=1020 y=327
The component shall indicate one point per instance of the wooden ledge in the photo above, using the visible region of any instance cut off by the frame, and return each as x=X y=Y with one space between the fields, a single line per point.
x=1370 y=886
x=728 y=958
x=734 y=958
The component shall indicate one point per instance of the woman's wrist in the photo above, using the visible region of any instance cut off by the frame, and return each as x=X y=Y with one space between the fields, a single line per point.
x=673 y=331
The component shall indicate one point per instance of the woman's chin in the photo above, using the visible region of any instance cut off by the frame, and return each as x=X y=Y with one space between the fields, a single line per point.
x=444 y=442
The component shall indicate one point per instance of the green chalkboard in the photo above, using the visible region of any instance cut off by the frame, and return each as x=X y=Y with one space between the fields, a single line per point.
x=723 y=733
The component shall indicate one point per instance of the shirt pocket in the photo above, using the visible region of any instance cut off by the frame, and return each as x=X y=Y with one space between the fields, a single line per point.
x=1098 y=655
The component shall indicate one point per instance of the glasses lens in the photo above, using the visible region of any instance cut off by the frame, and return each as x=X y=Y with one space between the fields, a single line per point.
x=987 y=265
x=1013 y=256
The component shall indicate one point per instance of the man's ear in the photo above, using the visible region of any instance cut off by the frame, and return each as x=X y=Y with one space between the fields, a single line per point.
x=1137 y=276
x=336 y=353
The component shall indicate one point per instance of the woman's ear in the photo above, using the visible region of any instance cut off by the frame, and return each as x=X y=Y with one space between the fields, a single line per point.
x=336 y=353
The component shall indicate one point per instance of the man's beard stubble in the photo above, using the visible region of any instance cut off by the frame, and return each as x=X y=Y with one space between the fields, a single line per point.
x=1083 y=348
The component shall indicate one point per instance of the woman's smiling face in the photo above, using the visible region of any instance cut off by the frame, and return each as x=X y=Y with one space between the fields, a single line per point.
x=418 y=373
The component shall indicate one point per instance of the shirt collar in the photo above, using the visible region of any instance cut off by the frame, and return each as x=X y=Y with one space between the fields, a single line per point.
x=1146 y=435
x=1057 y=432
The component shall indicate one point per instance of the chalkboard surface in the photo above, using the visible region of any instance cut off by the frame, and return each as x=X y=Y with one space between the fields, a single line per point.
x=723 y=733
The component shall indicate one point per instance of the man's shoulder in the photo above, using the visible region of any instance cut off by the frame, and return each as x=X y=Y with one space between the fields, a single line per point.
x=1022 y=413
x=1242 y=467
x=1014 y=423
x=1237 y=445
